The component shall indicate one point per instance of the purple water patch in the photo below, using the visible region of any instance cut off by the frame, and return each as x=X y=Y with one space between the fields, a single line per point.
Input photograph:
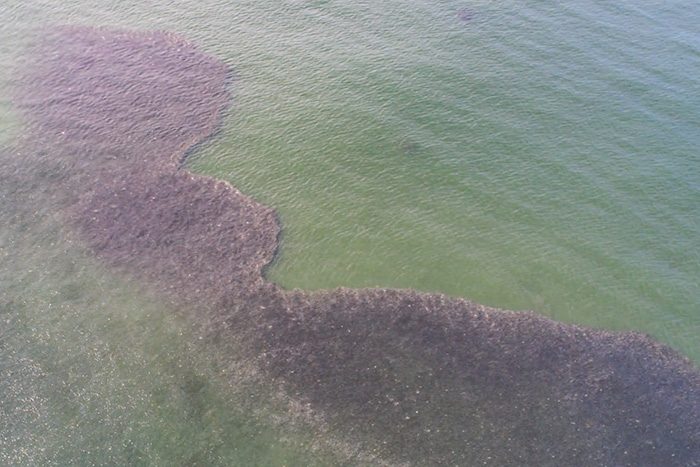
x=465 y=15
x=419 y=379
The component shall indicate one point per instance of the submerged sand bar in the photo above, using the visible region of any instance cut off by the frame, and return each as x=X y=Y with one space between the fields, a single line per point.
x=418 y=379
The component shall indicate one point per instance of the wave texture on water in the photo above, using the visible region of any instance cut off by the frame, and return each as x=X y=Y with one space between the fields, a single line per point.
x=415 y=378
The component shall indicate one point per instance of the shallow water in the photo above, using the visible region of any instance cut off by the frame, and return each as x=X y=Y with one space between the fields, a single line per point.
x=534 y=157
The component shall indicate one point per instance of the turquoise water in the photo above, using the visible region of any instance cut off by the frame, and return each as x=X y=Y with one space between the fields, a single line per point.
x=537 y=156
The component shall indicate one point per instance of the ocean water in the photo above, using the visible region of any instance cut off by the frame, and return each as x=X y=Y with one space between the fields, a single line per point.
x=535 y=156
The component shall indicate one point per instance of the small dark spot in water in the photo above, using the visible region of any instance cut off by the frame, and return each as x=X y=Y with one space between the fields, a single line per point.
x=194 y=388
x=408 y=147
x=71 y=291
x=465 y=15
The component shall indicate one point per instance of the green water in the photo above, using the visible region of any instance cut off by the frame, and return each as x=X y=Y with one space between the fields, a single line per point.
x=538 y=156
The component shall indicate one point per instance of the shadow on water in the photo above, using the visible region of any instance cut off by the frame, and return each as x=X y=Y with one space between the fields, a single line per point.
x=404 y=377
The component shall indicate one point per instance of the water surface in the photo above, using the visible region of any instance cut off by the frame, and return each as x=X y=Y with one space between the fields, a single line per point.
x=534 y=157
